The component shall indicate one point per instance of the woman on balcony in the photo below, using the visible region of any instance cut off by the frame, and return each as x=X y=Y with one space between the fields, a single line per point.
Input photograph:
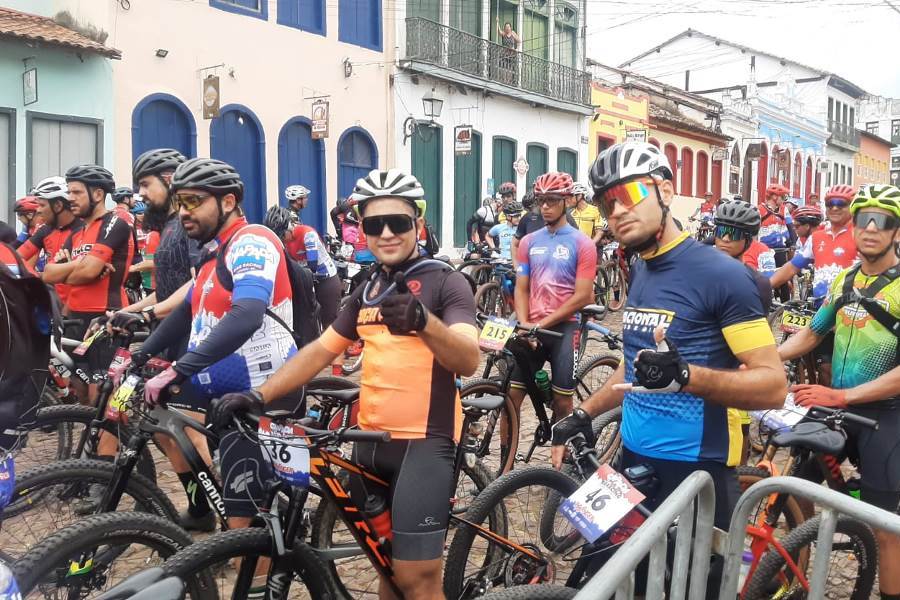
x=510 y=41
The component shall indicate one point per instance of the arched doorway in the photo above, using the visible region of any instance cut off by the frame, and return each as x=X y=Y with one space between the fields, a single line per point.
x=717 y=179
x=809 y=179
x=357 y=155
x=466 y=188
x=687 y=172
x=762 y=175
x=162 y=121
x=236 y=137
x=671 y=153
x=798 y=175
x=301 y=161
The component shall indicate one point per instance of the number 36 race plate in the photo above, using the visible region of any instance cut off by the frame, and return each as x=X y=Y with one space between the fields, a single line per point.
x=495 y=333
x=283 y=446
x=601 y=502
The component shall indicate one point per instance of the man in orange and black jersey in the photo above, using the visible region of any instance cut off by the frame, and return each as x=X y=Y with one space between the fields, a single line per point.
x=59 y=222
x=419 y=335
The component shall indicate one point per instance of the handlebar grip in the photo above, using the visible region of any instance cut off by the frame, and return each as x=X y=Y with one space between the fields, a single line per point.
x=357 y=435
x=599 y=328
x=865 y=422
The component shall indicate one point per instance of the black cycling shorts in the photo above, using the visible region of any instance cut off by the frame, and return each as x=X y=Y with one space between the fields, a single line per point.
x=328 y=293
x=420 y=474
x=561 y=352
x=877 y=453
x=95 y=361
x=244 y=472
x=825 y=350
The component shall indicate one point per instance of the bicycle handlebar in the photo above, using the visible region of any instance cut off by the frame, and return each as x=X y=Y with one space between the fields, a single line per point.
x=341 y=434
x=530 y=330
x=846 y=416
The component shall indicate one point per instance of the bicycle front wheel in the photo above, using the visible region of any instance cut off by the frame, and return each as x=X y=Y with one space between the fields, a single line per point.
x=218 y=557
x=495 y=437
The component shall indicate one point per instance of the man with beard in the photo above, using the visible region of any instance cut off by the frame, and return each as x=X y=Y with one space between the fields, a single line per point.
x=862 y=310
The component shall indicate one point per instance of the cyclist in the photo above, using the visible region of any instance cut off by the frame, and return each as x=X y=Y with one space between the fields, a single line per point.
x=507 y=193
x=706 y=308
x=337 y=215
x=303 y=244
x=707 y=208
x=504 y=233
x=774 y=231
x=352 y=233
x=124 y=199
x=587 y=217
x=862 y=310
x=483 y=219
x=416 y=343
x=806 y=220
x=532 y=220
x=555 y=270
x=235 y=343
x=737 y=223
x=297 y=197
x=27 y=213
x=52 y=196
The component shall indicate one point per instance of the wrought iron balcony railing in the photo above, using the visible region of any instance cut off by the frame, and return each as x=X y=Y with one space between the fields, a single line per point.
x=443 y=46
x=844 y=133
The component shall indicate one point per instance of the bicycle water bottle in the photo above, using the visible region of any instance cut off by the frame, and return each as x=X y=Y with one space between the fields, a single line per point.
x=542 y=379
x=8 y=588
x=746 y=562
x=379 y=515
x=853 y=487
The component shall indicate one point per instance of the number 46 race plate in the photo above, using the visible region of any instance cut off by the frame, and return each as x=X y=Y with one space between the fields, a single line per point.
x=283 y=446
x=601 y=502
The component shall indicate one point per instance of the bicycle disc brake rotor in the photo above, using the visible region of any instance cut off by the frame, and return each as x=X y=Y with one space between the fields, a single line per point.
x=525 y=570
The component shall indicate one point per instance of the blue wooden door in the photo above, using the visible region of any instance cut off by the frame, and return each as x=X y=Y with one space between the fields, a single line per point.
x=162 y=123
x=236 y=138
x=301 y=161
x=356 y=157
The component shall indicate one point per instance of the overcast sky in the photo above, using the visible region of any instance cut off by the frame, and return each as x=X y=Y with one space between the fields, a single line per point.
x=856 y=39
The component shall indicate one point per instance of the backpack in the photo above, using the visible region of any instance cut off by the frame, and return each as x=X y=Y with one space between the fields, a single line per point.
x=27 y=315
x=307 y=326
x=866 y=297
x=430 y=243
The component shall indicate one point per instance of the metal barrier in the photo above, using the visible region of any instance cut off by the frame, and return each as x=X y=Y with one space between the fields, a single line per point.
x=694 y=498
x=832 y=503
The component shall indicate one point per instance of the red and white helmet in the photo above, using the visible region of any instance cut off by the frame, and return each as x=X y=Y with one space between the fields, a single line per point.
x=844 y=192
x=554 y=184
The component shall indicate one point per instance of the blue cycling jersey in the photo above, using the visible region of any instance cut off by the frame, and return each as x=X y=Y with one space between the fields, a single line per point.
x=711 y=306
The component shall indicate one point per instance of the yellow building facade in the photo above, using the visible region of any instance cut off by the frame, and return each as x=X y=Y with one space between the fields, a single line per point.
x=619 y=114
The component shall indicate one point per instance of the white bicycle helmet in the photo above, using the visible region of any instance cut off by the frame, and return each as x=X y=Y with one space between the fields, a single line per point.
x=580 y=189
x=392 y=183
x=292 y=192
x=52 y=188
x=626 y=161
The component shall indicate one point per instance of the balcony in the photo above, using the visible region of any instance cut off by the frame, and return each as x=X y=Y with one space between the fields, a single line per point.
x=844 y=135
x=475 y=61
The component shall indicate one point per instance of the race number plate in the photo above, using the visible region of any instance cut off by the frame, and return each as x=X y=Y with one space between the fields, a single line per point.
x=119 y=400
x=792 y=322
x=353 y=269
x=495 y=333
x=83 y=346
x=601 y=502
x=285 y=449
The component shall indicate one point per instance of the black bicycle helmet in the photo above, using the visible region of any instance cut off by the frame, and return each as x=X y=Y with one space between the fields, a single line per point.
x=528 y=200
x=122 y=194
x=740 y=214
x=214 y=176
x=513 y=209
x=154 y=162
x=625 y=161
x=93 y=176
x=279 y=219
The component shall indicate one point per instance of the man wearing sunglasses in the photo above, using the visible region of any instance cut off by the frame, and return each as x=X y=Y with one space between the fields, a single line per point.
x=692 y=318
x=417 y=318
x=736 y=226
x=862 y=310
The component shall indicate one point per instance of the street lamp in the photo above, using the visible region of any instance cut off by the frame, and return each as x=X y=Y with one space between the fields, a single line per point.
x=432 y=105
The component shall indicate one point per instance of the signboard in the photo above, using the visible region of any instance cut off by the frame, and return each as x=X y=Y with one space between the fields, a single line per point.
x=735 y=169
x=489 y=186
x=521 y=166
x=29 y=86
x=319 y=119
x=754 y=151
x=211 y=97
x=720 y=154
x=635 y=135
x=462 y=136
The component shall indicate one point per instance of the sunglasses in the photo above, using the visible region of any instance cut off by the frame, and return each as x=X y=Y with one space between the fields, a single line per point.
x=549 y=200
x=189 y=202
x=836 y=204
x=882 y=221
x=628 y=194
x=398 y=224
x=734 y=233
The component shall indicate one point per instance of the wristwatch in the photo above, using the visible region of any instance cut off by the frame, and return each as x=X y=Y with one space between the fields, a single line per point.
x=149 y=314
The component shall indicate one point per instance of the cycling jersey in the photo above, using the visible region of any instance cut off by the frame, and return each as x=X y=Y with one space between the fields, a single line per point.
x=773 y=230
x=254 y=258
x=352 y=233
x=710 y=304
x=403 y=389
x=306 y=246
x=553 y=261
x=49 y=240
x=831 y=253
x=588 y=219
x=149 y=277
x=760 y=258
x=504 y=233
x=485 y=218
x=8 y=258
x=174 y=258
x=111 y=240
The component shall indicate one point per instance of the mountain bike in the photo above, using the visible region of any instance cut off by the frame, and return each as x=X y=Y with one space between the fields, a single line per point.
x=495 y=297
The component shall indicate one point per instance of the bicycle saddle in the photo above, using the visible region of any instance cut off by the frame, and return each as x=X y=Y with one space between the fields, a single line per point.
x=342 y=396
x=595 y=310
x=486 y=403
x=812 y=436
x=144 y=580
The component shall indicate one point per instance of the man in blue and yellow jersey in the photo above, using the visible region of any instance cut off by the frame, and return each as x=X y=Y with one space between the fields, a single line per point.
x=692 y=318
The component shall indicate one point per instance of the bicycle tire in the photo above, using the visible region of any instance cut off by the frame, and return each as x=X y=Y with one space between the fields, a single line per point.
x=584 y=386
x=73 y=476
x=534 y=592
x=489 y=300
x=329 y=382
x=490 y=500
x=221 y=548
x=326 y=518
x=601 y=288
x=52 y=558
x=617 y=282
x=865 y=552
x=505 y=461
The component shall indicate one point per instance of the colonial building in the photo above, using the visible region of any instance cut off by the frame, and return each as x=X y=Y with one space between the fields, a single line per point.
x=873 y=159
x=881 y=116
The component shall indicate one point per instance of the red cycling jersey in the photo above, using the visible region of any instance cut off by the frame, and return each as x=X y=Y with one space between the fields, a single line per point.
x=50 y=240
x=8 y=258
x=111 y=240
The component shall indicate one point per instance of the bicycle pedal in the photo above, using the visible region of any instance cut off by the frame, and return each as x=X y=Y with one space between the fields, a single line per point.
x=520 y=457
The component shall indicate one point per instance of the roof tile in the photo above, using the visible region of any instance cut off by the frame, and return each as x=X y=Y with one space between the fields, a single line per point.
x=25 y=26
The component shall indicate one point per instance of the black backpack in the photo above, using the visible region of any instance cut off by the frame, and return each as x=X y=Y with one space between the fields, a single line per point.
x=28 y=315
x=307 y=326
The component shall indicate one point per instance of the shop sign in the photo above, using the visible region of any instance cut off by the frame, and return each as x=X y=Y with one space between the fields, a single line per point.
x=319 y=119
x=211 y=97
x=462 y=136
